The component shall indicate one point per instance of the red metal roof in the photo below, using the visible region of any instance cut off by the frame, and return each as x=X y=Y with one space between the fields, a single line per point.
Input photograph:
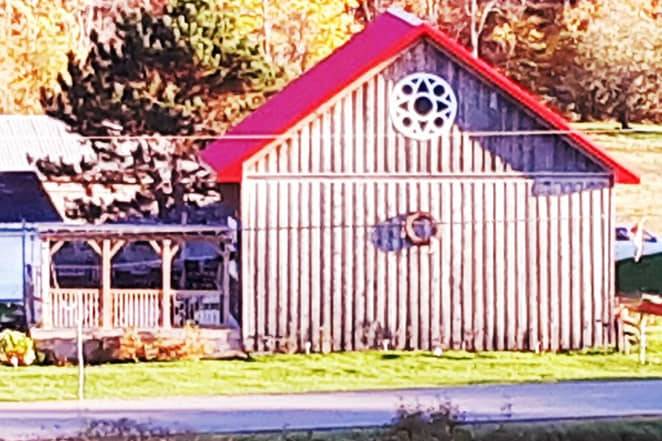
x=387 y=36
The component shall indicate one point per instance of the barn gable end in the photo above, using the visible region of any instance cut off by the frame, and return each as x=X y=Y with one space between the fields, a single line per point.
x=356 y=236
x=357 y=124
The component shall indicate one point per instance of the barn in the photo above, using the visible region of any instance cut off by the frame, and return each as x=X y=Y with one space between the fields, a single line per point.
x=403 y=194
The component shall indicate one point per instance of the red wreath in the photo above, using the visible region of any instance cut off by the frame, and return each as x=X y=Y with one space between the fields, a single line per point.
x=410 y=233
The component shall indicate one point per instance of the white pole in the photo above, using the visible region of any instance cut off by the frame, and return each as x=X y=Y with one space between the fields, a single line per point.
x=79 y=345
x=643 y=341
x=81 y=362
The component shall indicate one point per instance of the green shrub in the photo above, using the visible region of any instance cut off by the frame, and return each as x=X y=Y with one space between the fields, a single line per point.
x=417 y=424
x=16 y=348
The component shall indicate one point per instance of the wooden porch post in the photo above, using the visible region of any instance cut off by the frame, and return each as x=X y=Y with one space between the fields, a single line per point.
x=166 y=262
x=226 y=286
x=106 y=293
x=106 y=252
x=46 y=301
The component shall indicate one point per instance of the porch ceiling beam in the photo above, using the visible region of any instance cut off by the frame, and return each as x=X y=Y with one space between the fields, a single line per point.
x=136 y=233
x=136 y=237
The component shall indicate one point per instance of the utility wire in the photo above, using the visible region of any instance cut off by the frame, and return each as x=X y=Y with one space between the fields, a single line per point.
x=397 y=223
x=271 y=136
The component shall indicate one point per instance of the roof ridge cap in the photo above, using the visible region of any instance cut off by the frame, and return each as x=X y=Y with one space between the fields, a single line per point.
x=405 y=16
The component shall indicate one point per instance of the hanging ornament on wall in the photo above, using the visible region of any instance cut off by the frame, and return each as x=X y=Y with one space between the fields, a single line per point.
x=423 y=106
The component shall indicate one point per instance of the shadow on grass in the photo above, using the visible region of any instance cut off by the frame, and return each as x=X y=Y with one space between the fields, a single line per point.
x=453 y=356
x=606 y=379
x=391 y=356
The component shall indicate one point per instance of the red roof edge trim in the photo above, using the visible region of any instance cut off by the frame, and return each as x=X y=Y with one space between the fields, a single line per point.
x=314 y=105
x=385 y=38
x=231 y=171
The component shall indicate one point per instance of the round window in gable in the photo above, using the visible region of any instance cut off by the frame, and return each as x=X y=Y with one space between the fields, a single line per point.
x=423 y=106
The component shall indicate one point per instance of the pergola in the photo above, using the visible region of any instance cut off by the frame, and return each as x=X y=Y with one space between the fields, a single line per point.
x=107 y=307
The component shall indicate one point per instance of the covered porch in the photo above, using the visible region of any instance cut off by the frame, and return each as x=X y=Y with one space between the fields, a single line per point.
x=104 y=307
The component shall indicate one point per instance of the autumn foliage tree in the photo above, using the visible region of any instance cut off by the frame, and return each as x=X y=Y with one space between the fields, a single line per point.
x=35 y=38
x=299 y=33
x=617 y=72
x=592 y=59
x=152 y=86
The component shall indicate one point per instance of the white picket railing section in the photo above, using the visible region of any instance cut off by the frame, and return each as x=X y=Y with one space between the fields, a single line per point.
x=68 y=303
x=136 y=308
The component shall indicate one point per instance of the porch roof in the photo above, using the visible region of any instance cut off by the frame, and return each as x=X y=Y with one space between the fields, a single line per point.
x=64 y=231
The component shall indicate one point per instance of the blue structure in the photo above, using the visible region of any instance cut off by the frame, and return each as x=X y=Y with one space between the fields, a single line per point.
x=19 y=249
x=22 y=200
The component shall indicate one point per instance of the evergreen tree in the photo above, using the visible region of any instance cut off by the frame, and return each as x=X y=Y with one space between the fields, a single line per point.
x=155 y=81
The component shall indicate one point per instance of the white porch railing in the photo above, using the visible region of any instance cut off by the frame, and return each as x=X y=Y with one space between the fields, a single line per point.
x=138 y=308
x=66 y=304
x=205 y=308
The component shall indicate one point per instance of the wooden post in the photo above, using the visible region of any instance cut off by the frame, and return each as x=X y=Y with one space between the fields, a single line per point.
x=226 y=287
x=106 y=293
x=47 y=304
x=643 y=341
x=166 y=261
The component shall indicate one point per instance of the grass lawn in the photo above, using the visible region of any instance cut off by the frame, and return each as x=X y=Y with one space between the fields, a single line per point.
x=333 y=372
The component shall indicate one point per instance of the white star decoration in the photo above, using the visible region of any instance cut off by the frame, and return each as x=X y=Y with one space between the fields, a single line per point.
x=423 y=106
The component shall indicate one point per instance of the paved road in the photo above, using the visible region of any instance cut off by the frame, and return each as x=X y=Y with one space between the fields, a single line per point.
x=335 y=410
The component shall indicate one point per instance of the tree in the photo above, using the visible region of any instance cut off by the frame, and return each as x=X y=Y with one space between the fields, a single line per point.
x=478 y=20
x=618 y=70
x=101 y=15
x=227 y=43
x=595 y=60
x=533 y=44
x=464 y=20
x=299 y=33
x=34 y=40
x=154 y=84
x=429 y=10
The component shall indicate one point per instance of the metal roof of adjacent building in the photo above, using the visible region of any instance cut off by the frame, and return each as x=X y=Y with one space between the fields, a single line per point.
x=22 y=198
x=38 y=136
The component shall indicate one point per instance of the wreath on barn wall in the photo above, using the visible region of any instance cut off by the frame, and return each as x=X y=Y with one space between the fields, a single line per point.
x=419 y=218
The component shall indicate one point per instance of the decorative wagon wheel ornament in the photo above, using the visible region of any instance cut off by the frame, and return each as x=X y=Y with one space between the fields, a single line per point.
x=416 y=218
x=423 y=106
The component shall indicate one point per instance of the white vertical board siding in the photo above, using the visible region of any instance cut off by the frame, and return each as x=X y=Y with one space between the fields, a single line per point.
x=525 y=256
x=354 y=133
x=462 y=291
